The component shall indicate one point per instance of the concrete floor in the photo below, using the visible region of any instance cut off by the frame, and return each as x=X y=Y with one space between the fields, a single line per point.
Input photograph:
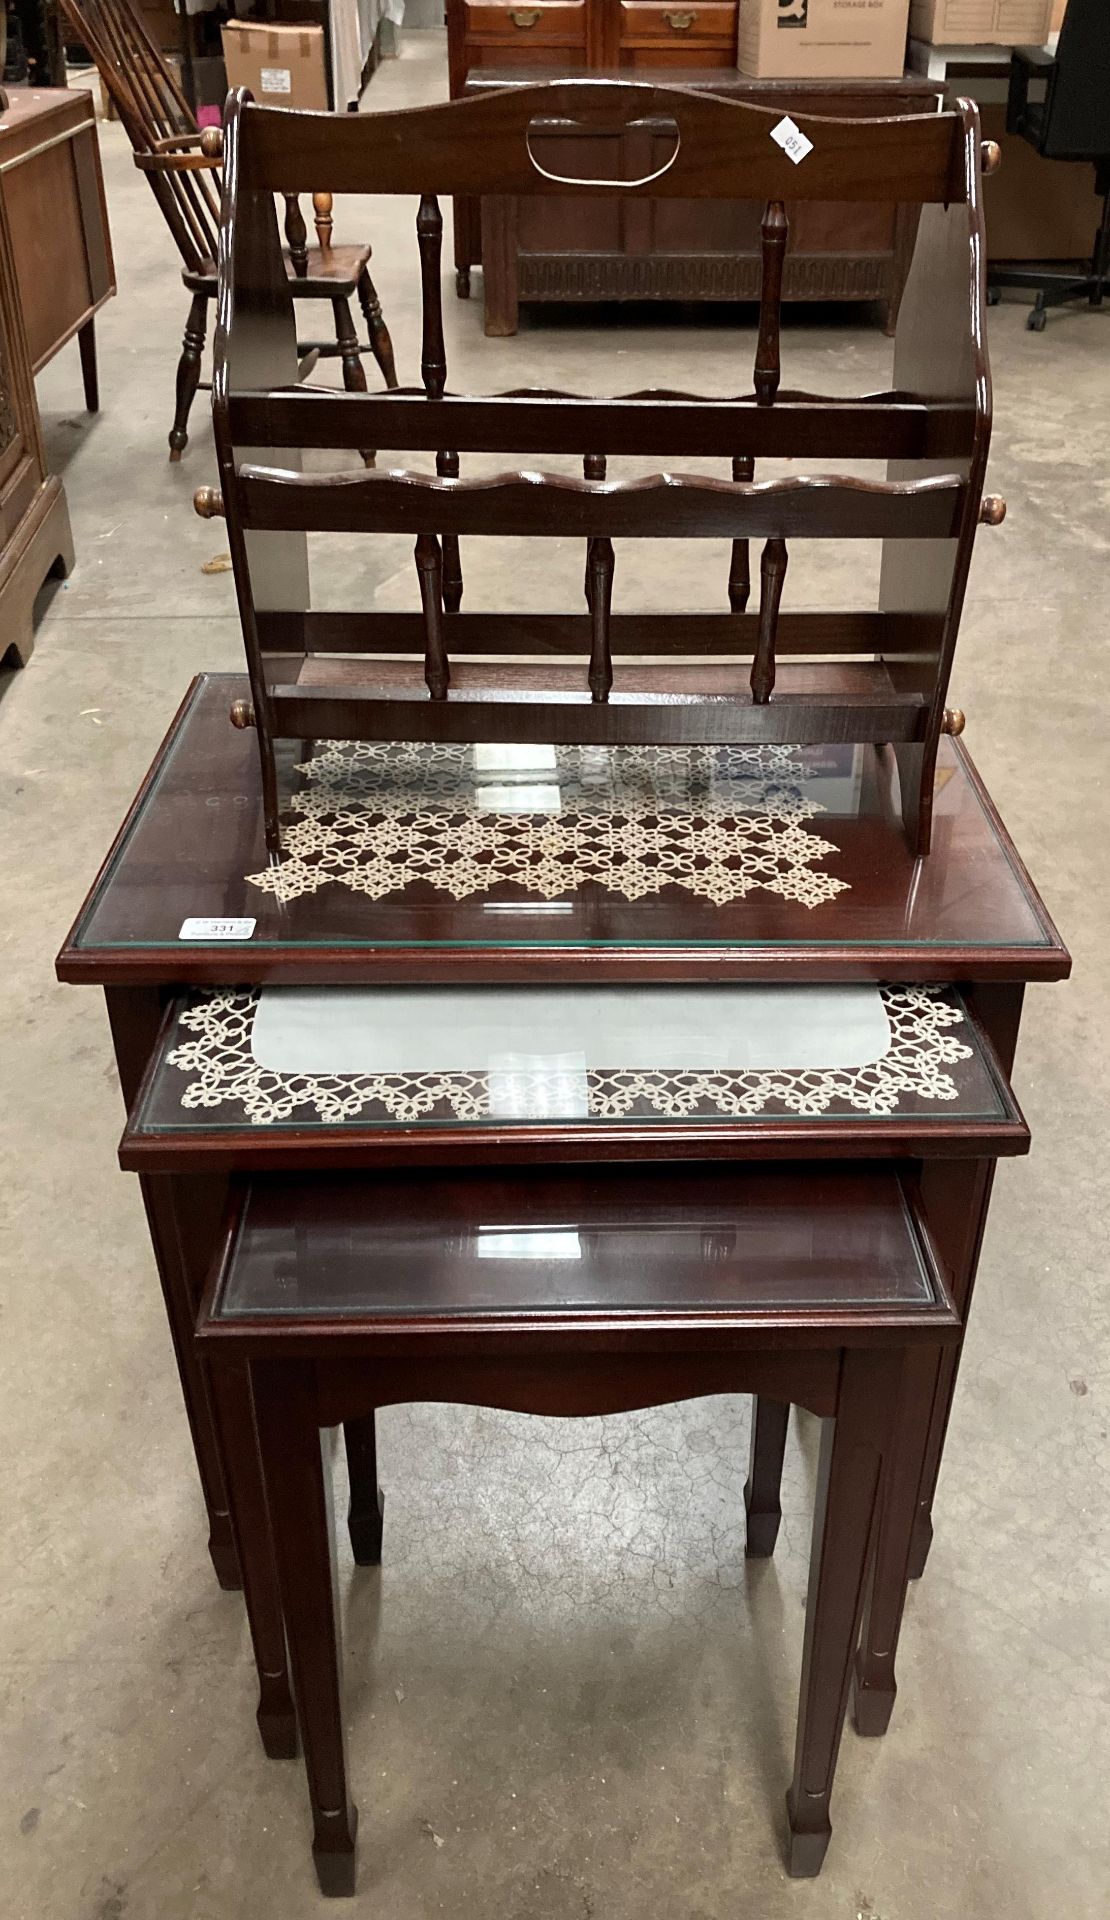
x=569 y=1696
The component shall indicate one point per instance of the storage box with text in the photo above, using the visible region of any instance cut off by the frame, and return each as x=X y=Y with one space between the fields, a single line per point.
x=981 y=23
x=282 y=66
x=822 y=39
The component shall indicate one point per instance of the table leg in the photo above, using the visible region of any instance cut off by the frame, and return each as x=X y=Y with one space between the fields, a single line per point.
x=184 y=1216
x=847 y=1492
x=367 y=1503
x=770 y=1419
x=298 y=1491
x=86 y=341
x=181 y=1285
x=875 y=1685
x=955 y=1196
x=229 y=1387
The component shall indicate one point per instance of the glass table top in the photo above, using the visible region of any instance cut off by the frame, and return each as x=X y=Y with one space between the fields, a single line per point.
x=420 y=1058
x=406 y=849
x=740 y=1241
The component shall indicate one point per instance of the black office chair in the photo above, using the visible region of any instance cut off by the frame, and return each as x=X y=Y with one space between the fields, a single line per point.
x=1072 y=122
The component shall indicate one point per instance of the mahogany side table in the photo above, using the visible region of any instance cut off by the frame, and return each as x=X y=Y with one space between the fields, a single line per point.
x=636 y=868
x=630 y=1286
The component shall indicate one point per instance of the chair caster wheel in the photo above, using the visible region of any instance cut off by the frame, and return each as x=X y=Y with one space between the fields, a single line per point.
x=993 y=296
x=1037 y=320
x=462 y=282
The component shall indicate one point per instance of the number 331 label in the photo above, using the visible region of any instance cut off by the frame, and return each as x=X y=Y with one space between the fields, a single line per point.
x=217 y=929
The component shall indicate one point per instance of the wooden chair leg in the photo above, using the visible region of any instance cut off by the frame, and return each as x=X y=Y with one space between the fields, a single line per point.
x=298 y=1492
x=366 y=1508
x=354 y=374
x=86 y=341
x=875 y=1685
x=770 y=1419
x=381 y=346
x=847 y=1493
x=230 y=1393
x=188 y=372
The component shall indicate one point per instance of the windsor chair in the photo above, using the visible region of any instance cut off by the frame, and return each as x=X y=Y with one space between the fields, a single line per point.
x=877 y=677
x=182 y=164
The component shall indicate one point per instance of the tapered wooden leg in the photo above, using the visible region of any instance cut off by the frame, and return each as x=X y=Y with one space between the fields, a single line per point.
x=188 y=372
x=354 y=373
x=298 y=1492
x=770 y=1419
x=171 y=1210
x=229 y=1390
x=366 y=1508
x=86 y=341
x=847 y=1492
x=957 y=1196
x=875 y=1686
x=381 y=346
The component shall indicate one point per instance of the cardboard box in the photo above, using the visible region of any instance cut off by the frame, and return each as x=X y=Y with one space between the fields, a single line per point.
x=822 y=39
x=282 y=65
x=981 y=23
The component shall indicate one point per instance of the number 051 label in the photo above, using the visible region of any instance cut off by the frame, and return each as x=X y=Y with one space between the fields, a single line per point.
x=792 y=141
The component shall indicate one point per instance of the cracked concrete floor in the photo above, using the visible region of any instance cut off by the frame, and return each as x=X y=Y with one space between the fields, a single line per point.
x=569 y=1696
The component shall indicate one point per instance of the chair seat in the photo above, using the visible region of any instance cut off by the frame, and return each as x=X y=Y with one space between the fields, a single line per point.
x=330 y=275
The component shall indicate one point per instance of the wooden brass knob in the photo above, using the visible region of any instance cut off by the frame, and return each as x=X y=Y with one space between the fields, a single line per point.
x=680 y=22
x=212 y=143
x=992 y=510
x=954 y=722
x=208 y=502
x=991 y=155
x=242 y=714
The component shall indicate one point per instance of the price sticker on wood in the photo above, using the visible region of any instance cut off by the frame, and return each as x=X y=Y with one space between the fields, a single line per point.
x=217 y=929
x=792 y=141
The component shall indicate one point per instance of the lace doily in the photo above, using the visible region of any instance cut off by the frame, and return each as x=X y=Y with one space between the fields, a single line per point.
x=221 y=1071
x=717 y=821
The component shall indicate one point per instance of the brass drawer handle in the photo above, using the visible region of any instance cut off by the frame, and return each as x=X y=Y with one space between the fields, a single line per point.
x=525 y=16
x=680 y=22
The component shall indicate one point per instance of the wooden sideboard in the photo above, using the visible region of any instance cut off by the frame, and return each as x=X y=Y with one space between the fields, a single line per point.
x=638 y=249
x=34 y=521
x=55 y=273
x=577 y=36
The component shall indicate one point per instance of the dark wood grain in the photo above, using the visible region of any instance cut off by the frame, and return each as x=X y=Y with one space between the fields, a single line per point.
x=666 y=505
x=480 y=146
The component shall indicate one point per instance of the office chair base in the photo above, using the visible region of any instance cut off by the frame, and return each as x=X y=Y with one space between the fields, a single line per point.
x=1054 y=287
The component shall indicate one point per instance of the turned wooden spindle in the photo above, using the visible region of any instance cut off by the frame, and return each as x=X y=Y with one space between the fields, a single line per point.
x=447 y=467
x=990 y=154
x=774 y=233
x=594 y=467
x=322 y=204
x=296 y=235
x=433 y=353
x=241 y=714
x=599 y=596
x=740 y=572
x=212 y=143
x=429 y=566
x=772 y=573
x=992 y=510
x=208 y=503
x=954 y=721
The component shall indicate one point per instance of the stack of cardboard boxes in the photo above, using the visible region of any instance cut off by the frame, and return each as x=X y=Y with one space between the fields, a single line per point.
x=866 y=39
